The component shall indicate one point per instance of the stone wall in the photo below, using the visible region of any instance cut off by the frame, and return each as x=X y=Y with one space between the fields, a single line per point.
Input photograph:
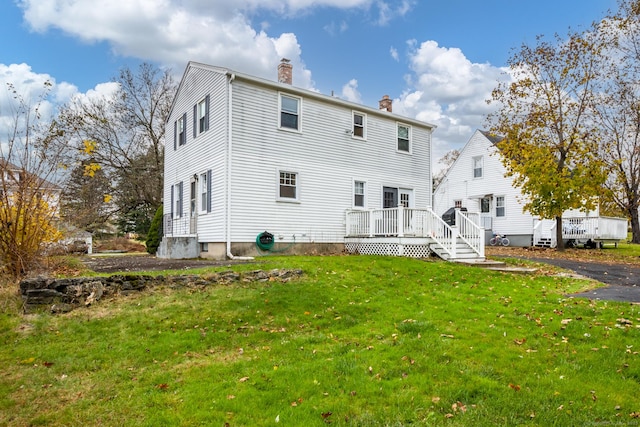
x=63 y=295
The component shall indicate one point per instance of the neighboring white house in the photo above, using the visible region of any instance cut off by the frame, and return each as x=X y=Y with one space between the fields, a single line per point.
x=246 y=155
x=476 y=182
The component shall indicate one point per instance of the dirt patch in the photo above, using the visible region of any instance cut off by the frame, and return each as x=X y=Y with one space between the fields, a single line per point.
x=114 y=263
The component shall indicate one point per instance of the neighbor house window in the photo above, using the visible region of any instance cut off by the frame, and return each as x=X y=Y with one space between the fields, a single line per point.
x=359 y=123
x=289 y=112
x=205 y=192
x=477 y=167
x=201 y=116
x=288 y=185
x=358 y=194
x=404 y=138
x=457 y=204
x=500 y=207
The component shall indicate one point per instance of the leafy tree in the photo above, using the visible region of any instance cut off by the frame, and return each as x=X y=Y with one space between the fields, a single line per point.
x=618 y=109
x=29 y=196
x=551 y=142
x=123 y=133
x=155 y=232
x=86 y=197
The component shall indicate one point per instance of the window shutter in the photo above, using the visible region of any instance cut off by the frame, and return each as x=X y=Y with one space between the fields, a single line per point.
x=180 y=193
x=184 y=131
x=206 y=113
x=209 y=190
x=195 y=121
x=175 y=136
x=172 y=201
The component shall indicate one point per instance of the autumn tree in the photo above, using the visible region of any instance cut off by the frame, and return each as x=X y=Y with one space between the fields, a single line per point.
x=618 y=109
x=126 y=132
x=29 y=195
x=544 y=113
x=85 y=197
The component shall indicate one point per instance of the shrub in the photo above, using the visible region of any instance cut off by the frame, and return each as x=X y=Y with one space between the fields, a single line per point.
x=155 y=232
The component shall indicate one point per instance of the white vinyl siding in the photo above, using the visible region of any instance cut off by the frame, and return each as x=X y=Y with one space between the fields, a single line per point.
x=459 y=185
x=324 y=158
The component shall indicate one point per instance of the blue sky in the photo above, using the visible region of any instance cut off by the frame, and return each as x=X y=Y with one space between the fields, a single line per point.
x=437 y=59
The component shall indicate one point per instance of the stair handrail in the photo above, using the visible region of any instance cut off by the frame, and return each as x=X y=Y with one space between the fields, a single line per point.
x=470 y=232
x=441 y=233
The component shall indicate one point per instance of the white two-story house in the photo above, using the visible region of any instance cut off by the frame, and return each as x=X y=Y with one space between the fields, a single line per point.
x=254 y=165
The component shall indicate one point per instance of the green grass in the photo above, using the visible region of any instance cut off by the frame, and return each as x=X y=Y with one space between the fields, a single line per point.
x=358 y=340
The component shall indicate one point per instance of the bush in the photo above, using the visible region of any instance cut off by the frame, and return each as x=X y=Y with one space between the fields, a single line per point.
x=155 y=232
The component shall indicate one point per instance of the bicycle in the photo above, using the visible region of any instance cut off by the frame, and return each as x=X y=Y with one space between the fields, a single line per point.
x=499 y=240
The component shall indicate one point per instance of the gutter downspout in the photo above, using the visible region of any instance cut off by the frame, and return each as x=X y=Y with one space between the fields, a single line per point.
x=229 y=162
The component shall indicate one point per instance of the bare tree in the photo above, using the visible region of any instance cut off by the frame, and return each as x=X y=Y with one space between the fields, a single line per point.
x=618 y=108
x=123 y=133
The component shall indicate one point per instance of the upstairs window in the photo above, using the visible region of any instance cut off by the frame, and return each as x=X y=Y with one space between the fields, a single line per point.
x=359 y=122
x=182 y=134
x=201 y=116
x=358 y=194
x=477 y=167
x=289 y=112
x=404 y=138
x=288 y=185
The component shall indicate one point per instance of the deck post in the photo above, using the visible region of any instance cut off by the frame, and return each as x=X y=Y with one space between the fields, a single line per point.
x=400 y=220
x=454 y=241
x=371 y=225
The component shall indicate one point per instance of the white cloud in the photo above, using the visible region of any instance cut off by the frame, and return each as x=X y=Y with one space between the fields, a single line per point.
x=19 y=84
x=350 y=91
x=173 y=32
x=448 y=90
x=394 y=53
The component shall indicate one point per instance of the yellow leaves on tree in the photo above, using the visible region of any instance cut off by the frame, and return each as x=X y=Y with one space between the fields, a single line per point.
x=27 y=224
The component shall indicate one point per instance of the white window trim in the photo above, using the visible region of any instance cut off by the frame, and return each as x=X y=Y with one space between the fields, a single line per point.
x=284 y=128
x=364 y=125
x=287 y=199
x=353 y=196
x=178 y=200
x=410 y=128
x=473 y=167
x=504 y=206
x=182 y=134
x=201 y=115
x=202 y=193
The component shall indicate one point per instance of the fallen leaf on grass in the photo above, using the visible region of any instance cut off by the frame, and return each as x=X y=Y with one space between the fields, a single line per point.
x=162 y=386
x=231 y=397
x=243 y=379
x=520 y=341
x=516 y=387
x=48 y=364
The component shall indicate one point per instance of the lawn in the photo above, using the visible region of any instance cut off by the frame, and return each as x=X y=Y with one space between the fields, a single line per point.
x=358 y=340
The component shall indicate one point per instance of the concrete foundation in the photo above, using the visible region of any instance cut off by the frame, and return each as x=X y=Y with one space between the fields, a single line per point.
x=185 y=247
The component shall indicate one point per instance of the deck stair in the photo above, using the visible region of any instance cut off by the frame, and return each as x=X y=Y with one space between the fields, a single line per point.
x=463 y=252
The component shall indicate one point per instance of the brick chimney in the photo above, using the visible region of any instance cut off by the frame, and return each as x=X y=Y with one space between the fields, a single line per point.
x=385 y=103
x=285 y=71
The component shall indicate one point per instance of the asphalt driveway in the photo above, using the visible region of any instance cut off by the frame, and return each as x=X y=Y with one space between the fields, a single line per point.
x=623 y=280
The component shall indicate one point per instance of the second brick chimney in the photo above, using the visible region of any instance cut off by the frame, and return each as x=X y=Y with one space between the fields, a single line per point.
x=285 y=71
x=386 y=103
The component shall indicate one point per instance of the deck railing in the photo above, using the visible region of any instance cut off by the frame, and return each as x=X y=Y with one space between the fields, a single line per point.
x=183 y=226
x=410 y=222
x=582 y=229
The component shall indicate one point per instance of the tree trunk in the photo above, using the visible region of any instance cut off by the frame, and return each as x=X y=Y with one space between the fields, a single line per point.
x=560 y=246
x=635 y=225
